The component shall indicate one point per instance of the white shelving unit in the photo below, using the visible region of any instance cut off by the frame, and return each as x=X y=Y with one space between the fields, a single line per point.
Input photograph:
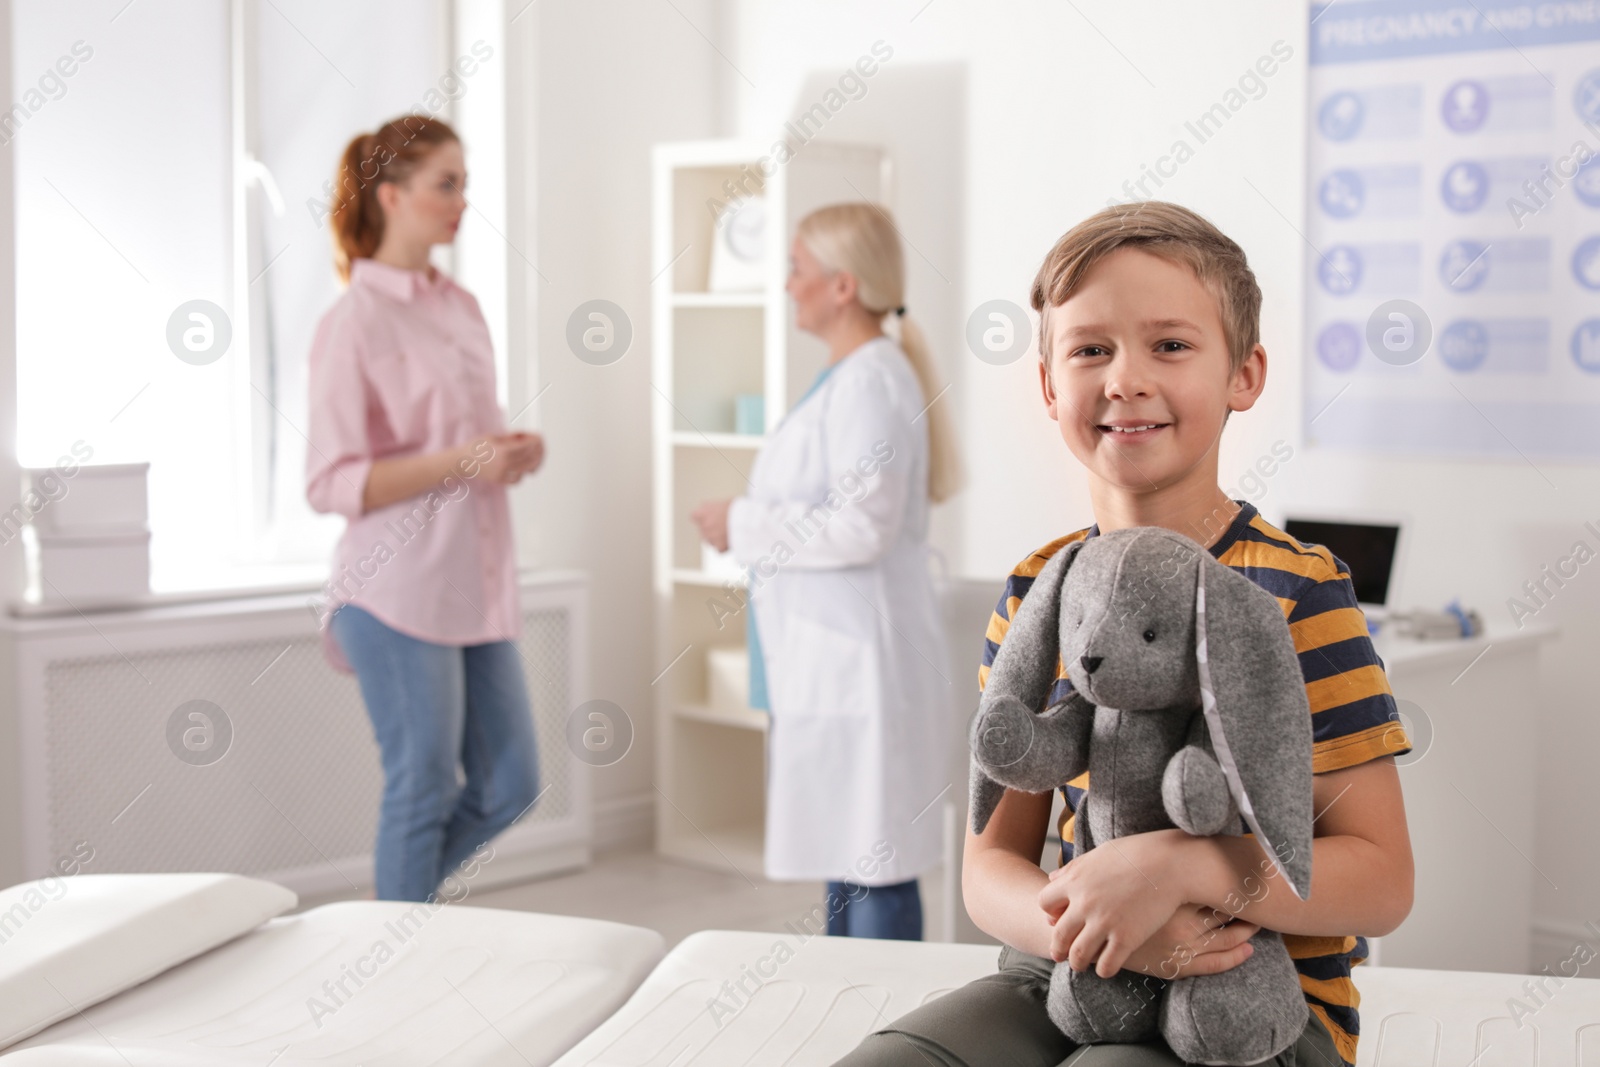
x=707 y=348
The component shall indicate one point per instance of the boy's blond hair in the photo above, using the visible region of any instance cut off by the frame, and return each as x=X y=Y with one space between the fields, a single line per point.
x=1162 y=229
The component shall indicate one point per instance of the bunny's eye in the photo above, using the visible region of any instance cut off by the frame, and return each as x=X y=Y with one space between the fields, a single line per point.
x=1149 y=635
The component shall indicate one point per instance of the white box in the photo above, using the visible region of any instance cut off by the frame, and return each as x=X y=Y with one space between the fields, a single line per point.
x=93 y=567
x=95 y=499
x=729 y=671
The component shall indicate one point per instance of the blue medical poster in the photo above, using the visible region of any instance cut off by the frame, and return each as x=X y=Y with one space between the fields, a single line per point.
x=1453 y=228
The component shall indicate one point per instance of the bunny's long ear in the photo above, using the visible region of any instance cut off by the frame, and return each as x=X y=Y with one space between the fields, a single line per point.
x=1024 y=670
x=1254 y=699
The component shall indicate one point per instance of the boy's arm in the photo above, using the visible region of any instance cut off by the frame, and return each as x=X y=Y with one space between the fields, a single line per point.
x=1000 y=873
x=1361 y=867
x=1002 y=885
x=999 y=882
x=1361 y=876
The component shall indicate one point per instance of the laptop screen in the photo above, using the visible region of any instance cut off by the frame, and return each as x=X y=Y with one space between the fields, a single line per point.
x=1368 y=550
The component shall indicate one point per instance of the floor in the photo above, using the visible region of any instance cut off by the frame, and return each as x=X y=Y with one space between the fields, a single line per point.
x=641 y=888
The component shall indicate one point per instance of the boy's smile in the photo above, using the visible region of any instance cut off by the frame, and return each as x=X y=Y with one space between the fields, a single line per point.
x=1138 y=375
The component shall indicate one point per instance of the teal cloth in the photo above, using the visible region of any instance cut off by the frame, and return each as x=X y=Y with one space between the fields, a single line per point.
x=758 y=665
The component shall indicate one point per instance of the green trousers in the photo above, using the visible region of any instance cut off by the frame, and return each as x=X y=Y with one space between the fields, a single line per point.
x=1000 y=1020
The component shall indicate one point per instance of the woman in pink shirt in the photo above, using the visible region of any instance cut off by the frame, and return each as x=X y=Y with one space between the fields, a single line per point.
x=407 y=441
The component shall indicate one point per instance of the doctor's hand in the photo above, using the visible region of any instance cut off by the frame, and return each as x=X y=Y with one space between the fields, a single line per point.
x=711 y=517
x=1111 y=900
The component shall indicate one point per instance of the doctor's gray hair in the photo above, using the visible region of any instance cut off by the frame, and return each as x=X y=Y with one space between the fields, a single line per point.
x=860 y=239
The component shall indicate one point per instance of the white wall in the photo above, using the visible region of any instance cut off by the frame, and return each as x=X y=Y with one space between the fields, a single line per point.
x=11 y=560
x=611 y=78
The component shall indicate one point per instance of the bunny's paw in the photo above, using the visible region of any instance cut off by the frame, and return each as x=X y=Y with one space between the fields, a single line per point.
x=1196 y=795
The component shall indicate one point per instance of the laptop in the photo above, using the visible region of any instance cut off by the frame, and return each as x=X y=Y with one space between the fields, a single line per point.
x=1369 y=549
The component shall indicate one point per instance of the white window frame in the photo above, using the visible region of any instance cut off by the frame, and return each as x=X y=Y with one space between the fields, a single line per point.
x=494 y=264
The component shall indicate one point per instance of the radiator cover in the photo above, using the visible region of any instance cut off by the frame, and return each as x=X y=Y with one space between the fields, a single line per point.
x=294 y=795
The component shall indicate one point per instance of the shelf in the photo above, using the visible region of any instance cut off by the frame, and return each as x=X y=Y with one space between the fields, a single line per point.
x=690 y=576
x=748 y=719
x=709 y=350
x=696 y=439
x=755 y=298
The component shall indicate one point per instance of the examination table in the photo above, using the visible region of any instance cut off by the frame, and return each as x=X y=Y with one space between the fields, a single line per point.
x=190 y=969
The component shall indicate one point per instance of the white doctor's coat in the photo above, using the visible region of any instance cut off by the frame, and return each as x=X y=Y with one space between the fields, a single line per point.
x=834 y=529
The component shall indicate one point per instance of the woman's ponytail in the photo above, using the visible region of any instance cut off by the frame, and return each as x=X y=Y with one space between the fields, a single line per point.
x=945 y=473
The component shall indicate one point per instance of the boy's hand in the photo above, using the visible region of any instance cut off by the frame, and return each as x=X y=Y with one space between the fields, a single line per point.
x=1108 y=902
x=1196 y=940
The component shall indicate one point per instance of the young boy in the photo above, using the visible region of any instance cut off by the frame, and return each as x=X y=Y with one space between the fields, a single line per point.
x=1149 y=338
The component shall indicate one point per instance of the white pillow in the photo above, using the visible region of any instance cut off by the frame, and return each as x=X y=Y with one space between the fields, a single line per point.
x=67 y=943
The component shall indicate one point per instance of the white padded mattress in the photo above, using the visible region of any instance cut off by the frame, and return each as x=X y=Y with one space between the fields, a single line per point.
x=807 y=1004
x=372 y=983
x=815 y=1004
x=1425 y=1018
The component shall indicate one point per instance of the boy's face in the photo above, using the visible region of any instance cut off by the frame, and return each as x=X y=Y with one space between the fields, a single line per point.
x=1141 y=344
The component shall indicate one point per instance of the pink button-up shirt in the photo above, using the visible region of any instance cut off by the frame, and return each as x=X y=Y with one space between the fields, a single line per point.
x=402 y=365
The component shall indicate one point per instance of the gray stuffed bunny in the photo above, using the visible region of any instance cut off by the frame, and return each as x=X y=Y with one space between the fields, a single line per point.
x=1174 y=730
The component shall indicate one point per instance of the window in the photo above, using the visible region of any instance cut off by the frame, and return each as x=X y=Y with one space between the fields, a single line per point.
x=188 y=156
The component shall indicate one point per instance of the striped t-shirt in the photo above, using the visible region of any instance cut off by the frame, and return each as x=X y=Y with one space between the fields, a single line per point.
x=1353 y=712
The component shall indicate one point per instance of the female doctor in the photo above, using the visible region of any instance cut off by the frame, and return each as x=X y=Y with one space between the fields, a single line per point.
x=833 y=534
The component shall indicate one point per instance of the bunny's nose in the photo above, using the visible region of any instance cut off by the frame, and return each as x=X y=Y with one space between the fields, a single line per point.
x=1091 y=662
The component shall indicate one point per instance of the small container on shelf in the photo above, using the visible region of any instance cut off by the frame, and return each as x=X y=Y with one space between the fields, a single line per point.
x=729 y=673
x=93 y=567
x=99 y=498
x=93 y=531
x=749 y=413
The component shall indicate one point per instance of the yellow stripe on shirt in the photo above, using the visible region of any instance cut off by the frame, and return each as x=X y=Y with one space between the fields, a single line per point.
x=1330 y=627
x=1374 y=742
x=1346 y=688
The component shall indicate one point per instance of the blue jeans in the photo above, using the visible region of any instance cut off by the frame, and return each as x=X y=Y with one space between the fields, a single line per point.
x=893 y=912
x=434 y=707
